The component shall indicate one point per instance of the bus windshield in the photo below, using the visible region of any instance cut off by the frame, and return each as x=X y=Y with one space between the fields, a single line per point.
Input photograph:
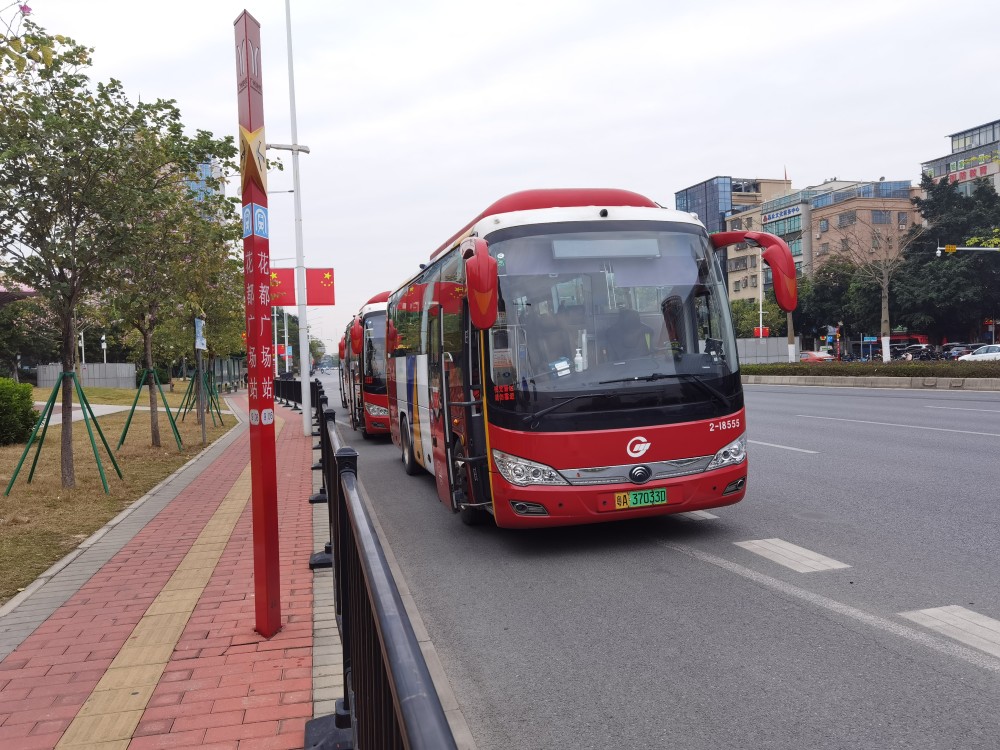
x=374 y=354
x=610 y=319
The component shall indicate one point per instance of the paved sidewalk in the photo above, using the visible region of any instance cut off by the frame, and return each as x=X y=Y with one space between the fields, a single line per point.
x=144 y=636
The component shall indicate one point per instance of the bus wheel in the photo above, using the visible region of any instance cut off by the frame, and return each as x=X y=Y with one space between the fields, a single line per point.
x=473 y=516
x=409 y=462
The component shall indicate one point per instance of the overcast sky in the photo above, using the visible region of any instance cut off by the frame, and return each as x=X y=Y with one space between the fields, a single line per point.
x=420 y=113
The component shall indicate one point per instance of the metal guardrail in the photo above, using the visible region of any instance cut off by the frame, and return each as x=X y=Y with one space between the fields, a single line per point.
x=389 y=698
x=289 y=390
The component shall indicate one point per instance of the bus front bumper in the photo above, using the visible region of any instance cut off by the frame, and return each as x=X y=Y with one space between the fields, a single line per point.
x=537 y=506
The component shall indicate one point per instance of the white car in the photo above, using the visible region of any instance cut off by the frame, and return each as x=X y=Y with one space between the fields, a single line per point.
x=982 y=354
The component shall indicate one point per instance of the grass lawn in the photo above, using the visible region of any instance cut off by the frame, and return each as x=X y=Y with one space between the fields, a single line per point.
x=41 y=522
x=117 y=396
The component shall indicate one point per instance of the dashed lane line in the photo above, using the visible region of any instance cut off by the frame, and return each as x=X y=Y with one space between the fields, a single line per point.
x=791 y=555
x=947 y=648
x=697 y=515
x=964 y=625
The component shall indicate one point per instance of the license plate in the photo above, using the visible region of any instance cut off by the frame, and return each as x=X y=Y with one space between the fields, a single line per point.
x=640 y=498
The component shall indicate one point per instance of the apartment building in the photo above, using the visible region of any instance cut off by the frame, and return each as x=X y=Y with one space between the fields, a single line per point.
x=860 y=220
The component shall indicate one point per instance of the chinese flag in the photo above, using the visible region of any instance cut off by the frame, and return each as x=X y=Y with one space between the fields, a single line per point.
x=282 y=287
x=319 y=286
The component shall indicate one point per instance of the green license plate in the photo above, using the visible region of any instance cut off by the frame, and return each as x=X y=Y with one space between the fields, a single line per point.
x=640 y=498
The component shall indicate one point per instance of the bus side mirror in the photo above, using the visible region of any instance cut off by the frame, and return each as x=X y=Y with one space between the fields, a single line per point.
x=357 y=338
x=481 y=281
x=774 y=252
x=342 y=348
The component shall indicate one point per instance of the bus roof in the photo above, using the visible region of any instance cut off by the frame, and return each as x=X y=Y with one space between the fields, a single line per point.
x=527 y=200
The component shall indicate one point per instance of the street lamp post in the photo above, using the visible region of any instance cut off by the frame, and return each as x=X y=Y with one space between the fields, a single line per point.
x=300 y=270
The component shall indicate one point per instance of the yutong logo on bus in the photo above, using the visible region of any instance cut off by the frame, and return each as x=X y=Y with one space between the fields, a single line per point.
x=637 y=446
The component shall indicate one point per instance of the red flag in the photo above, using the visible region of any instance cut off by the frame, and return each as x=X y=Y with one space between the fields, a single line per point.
x=282 y=287
x=319 y=286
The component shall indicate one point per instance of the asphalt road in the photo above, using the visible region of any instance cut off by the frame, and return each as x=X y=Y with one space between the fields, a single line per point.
x=669 y=634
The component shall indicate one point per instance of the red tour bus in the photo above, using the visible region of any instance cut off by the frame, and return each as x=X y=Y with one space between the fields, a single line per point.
x=568 y=357
x=362 y=371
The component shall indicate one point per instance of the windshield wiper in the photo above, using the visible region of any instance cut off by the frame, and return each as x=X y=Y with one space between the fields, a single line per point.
x=687 y=377
x=562 y=403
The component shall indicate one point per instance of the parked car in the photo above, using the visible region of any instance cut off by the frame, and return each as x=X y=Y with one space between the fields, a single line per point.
x=811 y=357
x=914 y=351
x=954 y=351
x=990 y=352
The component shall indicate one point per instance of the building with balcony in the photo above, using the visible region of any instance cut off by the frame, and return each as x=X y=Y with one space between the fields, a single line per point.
x=854 y=219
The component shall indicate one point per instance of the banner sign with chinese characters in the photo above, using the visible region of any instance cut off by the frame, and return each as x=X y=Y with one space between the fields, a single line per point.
x=260 y=363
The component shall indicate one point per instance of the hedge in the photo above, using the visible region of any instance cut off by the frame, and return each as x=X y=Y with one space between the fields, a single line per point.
x=897 y=369
x=17 y=412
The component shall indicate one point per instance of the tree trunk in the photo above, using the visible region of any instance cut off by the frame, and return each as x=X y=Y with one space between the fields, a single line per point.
x=885 y=330
x=791 y=339
x=154 y=414
x=67 y=469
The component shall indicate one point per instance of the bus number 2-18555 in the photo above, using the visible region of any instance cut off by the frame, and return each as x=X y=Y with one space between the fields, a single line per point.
x=724 y=424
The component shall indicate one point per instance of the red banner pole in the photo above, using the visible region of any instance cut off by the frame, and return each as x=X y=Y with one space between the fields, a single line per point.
x=257 y=278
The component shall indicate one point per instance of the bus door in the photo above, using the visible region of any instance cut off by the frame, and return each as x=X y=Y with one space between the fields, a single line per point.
x=357 y=405
x=469 y=468
x=438 y=401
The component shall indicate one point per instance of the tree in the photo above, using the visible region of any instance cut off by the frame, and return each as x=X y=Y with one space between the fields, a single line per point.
x=29 y=331
x=63 y=150
x=948 y=297
x=746 y=316
x=823 y=296
x=877 y=250
x=25 y=47
x=75 y=185
x=178 y=235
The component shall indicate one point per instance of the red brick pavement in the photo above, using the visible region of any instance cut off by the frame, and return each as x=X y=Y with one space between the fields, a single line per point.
x=225 y=686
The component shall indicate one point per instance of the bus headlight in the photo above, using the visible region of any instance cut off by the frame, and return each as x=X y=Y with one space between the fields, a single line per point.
x=376 y=411
x=522 y=472
x=734 y=453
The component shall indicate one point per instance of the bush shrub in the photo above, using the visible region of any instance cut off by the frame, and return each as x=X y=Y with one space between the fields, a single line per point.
x=17 y=412
x=895 y=369
x=161 y=372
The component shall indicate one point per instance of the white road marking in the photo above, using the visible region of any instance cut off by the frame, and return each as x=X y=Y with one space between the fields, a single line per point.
x=893 y=424
x=962 y=408
x=948 y=648
x=971 y=628
x=783 y=447
x=697 y=515
x=791 y=555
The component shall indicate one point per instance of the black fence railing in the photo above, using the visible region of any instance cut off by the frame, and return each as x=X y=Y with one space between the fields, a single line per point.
x=389 y=698
x=288 y=391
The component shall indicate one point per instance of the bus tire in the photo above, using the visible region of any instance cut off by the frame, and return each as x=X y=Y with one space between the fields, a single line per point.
x=473 y=516
x=409 y=460
x=470 y=516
